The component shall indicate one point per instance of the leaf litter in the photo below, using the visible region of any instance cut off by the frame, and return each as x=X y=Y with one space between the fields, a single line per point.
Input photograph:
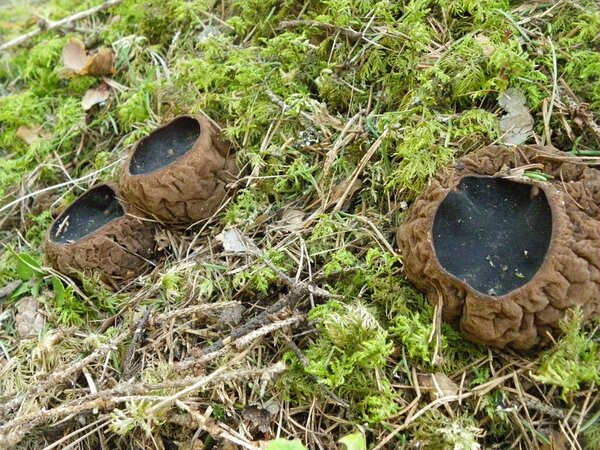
x=517 y=123
x=302 y=303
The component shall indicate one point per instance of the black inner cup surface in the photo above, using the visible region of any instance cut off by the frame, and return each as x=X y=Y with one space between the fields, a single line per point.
x=91 y=211
x=165 y=145
x=493 y=233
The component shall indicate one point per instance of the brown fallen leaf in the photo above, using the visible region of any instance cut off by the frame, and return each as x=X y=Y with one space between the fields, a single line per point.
x=517 y=124
x=95 y=96
x=77 y=61
x=74 y=55
x=29 y=134
x=100 y=63
x=437 y=385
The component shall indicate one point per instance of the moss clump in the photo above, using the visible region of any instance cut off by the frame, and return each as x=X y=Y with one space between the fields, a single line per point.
x=349 y=357
x=575 y=360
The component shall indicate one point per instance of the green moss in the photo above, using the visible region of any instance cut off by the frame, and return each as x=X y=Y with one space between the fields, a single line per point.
x=435 y=431
x=574 y=360
x=427 y=73
x=348 y=357
x=418 y=148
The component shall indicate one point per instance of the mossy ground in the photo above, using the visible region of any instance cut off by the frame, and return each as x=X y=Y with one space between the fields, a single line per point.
x=340 y=111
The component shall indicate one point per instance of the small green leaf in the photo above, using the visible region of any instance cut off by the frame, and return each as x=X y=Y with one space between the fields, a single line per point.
x=284 y=444
x=354 y=441
x=27 y=266
x=24 y=289
x=58 y=288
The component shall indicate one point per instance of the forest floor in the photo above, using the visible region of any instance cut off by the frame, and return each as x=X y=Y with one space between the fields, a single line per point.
x=340 y=111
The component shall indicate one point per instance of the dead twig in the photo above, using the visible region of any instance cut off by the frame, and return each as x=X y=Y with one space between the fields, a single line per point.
x=48 y=25
x=329 y=28
x=12 y=432
x=60 y=377
x=135 y=341
x=260 y=320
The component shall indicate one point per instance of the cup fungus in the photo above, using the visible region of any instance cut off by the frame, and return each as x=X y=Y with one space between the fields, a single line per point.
x=507 y=254
x=178 y=173
x=100 y=234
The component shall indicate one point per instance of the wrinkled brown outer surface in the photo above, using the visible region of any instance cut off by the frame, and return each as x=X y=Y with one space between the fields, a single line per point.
x=115 y=250
x=568 y=277
x=189 y=189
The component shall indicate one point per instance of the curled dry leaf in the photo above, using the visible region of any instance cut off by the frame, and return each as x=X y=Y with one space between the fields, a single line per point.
x=517 y=124
x=74 y=55
x=95 y=96
x=437 y=385
x=101 y=63
x=76 y=61
x=29 y=134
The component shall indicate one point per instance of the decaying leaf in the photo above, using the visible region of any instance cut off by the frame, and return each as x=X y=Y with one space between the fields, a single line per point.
x=517 y=124
x=100 y=63
x=77 y=61
x=29 y=321
x=29 y=134
x=95 y=96
x=235 y=242
x=512 y=101
x=437 y=385
x=486 y=44
x=257 y=417
x=291 y=219
x=74 y=55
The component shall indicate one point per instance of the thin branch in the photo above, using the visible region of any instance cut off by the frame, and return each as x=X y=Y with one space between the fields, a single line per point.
x=59 y=377
x=329 y=28
x=12 y=432
x=53 y=25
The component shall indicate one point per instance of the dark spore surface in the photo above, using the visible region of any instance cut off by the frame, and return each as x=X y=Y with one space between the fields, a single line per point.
x=165 y=145
x=89 y=212
x=493 y=233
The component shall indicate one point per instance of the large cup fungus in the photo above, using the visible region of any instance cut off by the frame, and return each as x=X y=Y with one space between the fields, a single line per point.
x=507 y=255
x=99 y=234
x=178 y=173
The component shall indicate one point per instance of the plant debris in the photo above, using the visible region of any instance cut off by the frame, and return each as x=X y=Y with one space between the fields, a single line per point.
x=517 y=123
x=338 y=114
x=77 y=61
x=95 y=96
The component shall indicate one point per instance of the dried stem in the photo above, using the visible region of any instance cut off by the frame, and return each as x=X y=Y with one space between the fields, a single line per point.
x=59 y=23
